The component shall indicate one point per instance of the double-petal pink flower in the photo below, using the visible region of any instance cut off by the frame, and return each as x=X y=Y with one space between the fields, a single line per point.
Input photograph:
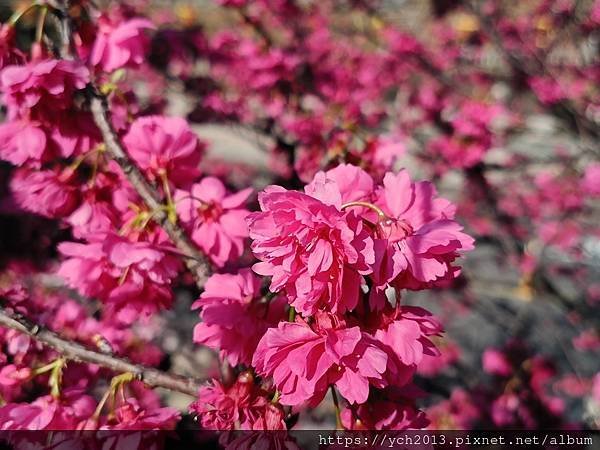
x=234 y=318
x=40 y=88
x=305 y=360
x=132 y=278
x=242 y=406
x=315 y=252
x=165 y=147
x=420 y=237
x=120 y=45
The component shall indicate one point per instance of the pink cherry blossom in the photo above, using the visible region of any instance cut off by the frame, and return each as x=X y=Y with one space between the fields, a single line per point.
x=417 y=238
x=342 y=184
x=13 y=379
x=40 y=88
x=216 y=219
x=420 y=236
x=23 y=142
x=312 y=250
x=45 y=192
x=304 y=361
x=496 y=362
x=241 y=406
x=75 y=134
x=121 y=44
x=233 y=317
x=48 y=413
x=403 y=333
x=338 y=99
x=101 y=207
x=12 y=375
x=591 y=179
x=133 y=278
x=393 y=410
x=130 y=415
x=165 y=146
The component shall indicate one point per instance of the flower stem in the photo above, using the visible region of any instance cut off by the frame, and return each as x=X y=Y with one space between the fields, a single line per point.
x=336 y=404
x=375 y=208
x=276 y=397
x=292 y=314
x=17 y=15
x=56 y=370
x=39 y=30
x=171 y=214
x=117 y=385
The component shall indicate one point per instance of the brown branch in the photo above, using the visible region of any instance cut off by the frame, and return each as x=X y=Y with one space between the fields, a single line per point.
x=195 y=260
x=77 y=352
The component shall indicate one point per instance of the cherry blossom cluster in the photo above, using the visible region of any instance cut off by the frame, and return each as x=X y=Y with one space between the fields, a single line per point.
x=64 y=399
x=515 y=397
x=112 y=253
x=334 y=253
x=327 y=92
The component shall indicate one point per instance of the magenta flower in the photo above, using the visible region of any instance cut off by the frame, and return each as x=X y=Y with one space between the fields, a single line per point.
x=403 y=333
x=40 y=88
x=216 y=220
x=99 y=211
x=75 y=134
x=23 y=142
x=45 y=192
x=233 y=317
x=242 y=406
x=415 y=238
x=165 y=147
x=133 y=278
x=312 y=250
x=305 y=360
x=340 y=185
x=120 y=45
x=590 y=183
x=391 y=409
x=130 y=415
x=419 y=237
x=48 y=413
x=496 y=362
x=13 y=380
x=12 y=375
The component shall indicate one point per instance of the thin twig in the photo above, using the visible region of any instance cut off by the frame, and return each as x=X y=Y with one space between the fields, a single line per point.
x=77 y=352
x=336 y=405
x=534 y=67
x=197 y=263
